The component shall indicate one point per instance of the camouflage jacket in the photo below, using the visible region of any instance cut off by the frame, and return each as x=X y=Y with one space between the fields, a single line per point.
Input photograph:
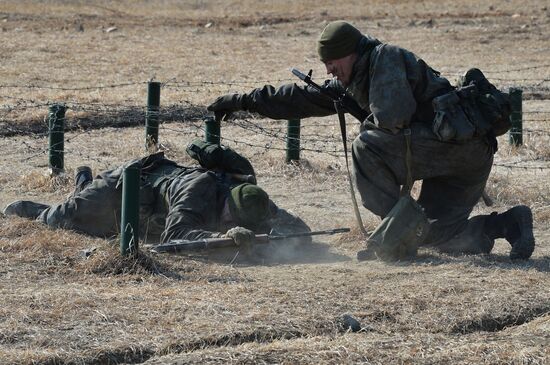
x=178 y=202
x=390 y=82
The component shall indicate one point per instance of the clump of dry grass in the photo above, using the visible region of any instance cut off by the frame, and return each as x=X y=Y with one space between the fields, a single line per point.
x=25 y=235
x=513 y=189
x=46 y=182
x=108 y=261
x=354 y=239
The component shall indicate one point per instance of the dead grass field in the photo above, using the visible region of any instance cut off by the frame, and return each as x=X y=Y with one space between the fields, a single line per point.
x=57 y=307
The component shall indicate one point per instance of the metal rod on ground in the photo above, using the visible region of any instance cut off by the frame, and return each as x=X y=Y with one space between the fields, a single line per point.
x=56 y=125
x=129 y=222
x=212 y=130
x=293 y=140
x=152 y=115
x=516 y=131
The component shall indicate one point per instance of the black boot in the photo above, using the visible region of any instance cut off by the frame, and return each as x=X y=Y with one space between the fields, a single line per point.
x=516 y=226
x=368 y=254
x=82 y=178
x=25 y=209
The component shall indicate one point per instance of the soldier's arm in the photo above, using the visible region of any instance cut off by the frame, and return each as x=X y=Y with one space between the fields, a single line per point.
x=187 y=226
x=391 y=97
x=289 y=101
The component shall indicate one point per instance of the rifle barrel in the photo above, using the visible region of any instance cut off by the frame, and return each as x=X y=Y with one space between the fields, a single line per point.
x=207 y=243
x=298 y=74
x=308 y=234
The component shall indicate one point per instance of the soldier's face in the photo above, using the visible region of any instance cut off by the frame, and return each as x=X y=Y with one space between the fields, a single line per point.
x=342 y=68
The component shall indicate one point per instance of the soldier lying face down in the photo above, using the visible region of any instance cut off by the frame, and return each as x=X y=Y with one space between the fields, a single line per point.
x=176 y=202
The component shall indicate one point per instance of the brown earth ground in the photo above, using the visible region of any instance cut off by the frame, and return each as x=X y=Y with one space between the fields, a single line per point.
x=57 y=307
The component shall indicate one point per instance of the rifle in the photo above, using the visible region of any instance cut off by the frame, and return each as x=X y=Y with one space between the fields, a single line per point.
x=342 y=103
x=207 y=243
x=345 y=102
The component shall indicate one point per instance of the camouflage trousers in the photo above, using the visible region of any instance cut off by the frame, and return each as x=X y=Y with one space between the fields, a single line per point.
x=453 y=177
x=95 y=210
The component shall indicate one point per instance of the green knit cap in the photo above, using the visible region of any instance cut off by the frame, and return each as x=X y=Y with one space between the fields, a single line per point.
x=249 y=205
x=338 y=40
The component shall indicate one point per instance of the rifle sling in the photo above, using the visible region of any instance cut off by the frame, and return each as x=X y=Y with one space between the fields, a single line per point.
x=342 y=120
x=406 y=189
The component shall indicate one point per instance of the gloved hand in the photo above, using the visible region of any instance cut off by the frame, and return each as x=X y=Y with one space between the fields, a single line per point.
x=224 y=105
x=242 y=236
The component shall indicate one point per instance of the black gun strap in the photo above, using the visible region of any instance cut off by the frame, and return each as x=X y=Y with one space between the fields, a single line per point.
x=406 y=189
x=342 y=119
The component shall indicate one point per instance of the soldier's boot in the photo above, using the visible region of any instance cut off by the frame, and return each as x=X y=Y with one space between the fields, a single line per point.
x=367 y=254
x=25 y=209
x=83 y=176
x=516 y=226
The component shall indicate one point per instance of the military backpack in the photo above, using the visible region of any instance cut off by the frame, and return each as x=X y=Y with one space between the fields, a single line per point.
x=212 y=156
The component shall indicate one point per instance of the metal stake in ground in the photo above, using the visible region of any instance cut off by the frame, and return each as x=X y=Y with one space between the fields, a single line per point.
x=516 y=131
x=152 y=115
x=212 y=130
x=56 y=125
x=129 y=235
x=293 y=140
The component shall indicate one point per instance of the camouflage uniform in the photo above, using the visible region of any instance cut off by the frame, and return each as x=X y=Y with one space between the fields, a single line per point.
x=176 y=202
x=397 y=88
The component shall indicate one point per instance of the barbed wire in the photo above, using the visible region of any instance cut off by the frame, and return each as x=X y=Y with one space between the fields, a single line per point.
x=190 y=114
x=489 y=71
x=122 y=115
x=197 y=127
x=175 y=83
x=64 y=88
x=517 y=166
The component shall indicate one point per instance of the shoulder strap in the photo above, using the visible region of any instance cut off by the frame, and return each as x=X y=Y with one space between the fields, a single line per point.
x=406 y=189
x=342 y=119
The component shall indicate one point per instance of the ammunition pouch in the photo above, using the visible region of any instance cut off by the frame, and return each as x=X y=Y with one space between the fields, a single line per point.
x=452 y=121
x=474 y=108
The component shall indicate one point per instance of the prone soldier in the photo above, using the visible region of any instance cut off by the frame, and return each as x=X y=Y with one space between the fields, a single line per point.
x=176 y=202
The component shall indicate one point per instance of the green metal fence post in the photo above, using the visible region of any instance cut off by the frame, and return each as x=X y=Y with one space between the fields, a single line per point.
x=516 y=131
x=152 y=114
x=129 y=220
x=212 y=130
x=293 y=140
x=56 y=125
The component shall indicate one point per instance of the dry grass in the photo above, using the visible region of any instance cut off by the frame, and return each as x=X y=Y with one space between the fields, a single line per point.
x=58 y=306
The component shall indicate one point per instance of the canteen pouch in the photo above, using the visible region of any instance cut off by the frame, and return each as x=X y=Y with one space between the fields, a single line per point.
x=400 y=232
x=451 y=121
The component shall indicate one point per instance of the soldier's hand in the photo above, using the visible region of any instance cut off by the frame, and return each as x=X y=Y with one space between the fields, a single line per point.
x=227 y=104
x=242 y=236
